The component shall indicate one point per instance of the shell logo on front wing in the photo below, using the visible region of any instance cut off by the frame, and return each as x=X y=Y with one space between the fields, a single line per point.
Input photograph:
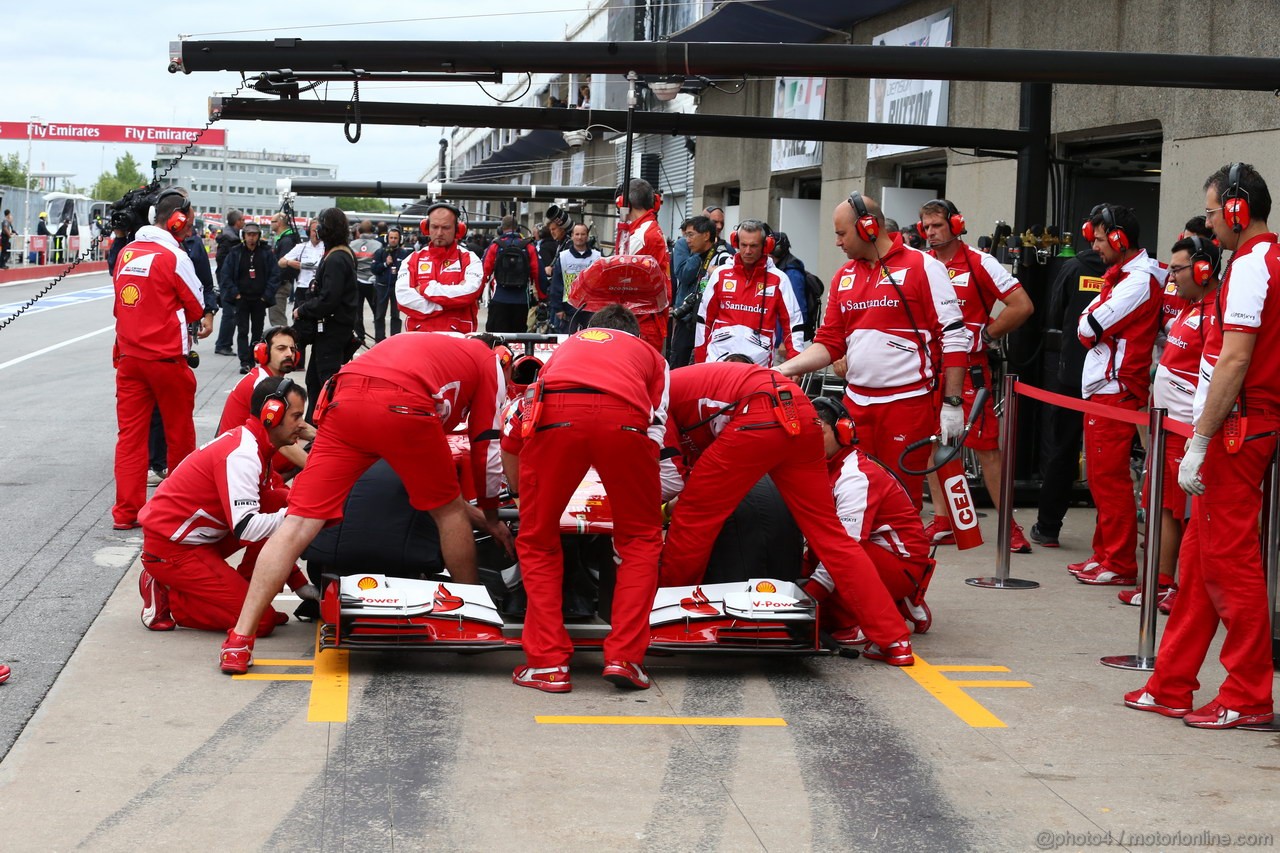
x=367 y=583
x=766 y=586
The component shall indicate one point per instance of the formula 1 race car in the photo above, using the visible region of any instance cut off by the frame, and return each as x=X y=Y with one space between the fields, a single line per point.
x=383 y=586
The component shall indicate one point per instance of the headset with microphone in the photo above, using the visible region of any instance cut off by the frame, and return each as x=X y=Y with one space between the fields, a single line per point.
x=1117 y=237
x=954 y=219
x=460 y=230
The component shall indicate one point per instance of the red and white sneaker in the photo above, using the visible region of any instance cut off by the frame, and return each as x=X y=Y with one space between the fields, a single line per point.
x=1166 y=603
x=5 y=672
x=1215 y=715
x=895 y=654
x=548 y=679
x=939 y=532
x=1083 y=566
x=155 y=604
x=1018 y=543
x=919 y=615
x=237 y=654
x=1141 y=700
x=1133 y=597
x=851 y=637
x=1100 y=575
x=623 y=673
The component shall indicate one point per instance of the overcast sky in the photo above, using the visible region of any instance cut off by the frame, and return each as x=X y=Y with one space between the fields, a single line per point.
x=94 y=63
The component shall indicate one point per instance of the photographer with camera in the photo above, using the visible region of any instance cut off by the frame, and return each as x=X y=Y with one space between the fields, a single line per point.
x=155 y=288
x=386 y=268
x=305 y=258
x=568 y=266
x=251 y=276
x=692 y=260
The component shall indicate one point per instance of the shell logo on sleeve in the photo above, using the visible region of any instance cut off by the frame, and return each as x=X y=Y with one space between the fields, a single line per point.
x=130 y=295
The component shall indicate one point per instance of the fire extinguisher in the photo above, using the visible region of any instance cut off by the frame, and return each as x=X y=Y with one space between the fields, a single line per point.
x=955 y=496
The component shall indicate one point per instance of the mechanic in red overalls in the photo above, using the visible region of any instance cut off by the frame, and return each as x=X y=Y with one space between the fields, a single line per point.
x=210 y=506
x=156 y=295
x=1237 y=414
x=439 y=287
x=396 y=402
x=275 y=355
x=600 y=400
x=743 y=421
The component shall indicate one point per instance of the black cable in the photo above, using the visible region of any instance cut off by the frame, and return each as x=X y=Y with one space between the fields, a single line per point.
x=979 y=399
x=353 y=109
x=528 y=84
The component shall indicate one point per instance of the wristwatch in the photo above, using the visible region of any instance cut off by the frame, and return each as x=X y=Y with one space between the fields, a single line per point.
x=953 y=401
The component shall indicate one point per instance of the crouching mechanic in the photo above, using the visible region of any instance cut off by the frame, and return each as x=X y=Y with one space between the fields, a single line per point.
x=875 y=509
x=601 y=400
x=210 y=506
x=396 y=402
x=275 y=355
x=744 y=421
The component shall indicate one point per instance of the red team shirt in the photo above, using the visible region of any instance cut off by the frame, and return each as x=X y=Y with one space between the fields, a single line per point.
x=1128 y=309
x=980 y=281
x=1247 y=295
x=700 y=391
x=874 y=507
x=157 y=295
x=892 y=349
x=216 y=492
x=645 y=238
x=741 y=310
x=1178 y=372
x=439 y=290
x=236 y=408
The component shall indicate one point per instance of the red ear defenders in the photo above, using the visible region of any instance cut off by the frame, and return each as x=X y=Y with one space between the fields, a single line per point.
x=262 y=349
x=1235 y=202
x=504 y=354
x=866 y=225
x=837 y=416
x=620 y=200
x=1204 y=260
x=1116 y=238
x=180 y=216
x=769 y=242
x=459 y=232
x=276 y=404
x=955 y=219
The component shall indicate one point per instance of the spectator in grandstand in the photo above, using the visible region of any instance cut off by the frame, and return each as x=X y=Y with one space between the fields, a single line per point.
x=439 y=286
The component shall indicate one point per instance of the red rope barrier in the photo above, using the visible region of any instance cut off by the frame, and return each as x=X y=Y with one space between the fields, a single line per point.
x=1135 y=418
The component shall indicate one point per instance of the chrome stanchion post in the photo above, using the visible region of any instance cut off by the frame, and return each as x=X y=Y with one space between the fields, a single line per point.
x=1271 y=560
x=1004 y=530
x=1145 y=659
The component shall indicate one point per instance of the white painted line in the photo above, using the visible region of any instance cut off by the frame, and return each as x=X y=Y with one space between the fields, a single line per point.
x=46 y=279
x=53 y=347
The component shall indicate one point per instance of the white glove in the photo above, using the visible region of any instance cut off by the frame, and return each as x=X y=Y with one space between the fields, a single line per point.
x=1189 y=470
x=951 y=424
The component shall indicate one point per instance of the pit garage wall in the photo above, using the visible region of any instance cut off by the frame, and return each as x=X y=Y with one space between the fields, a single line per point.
x=1201 y=129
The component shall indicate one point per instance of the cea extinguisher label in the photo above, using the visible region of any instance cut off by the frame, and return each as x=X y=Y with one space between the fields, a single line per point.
x=963 y=515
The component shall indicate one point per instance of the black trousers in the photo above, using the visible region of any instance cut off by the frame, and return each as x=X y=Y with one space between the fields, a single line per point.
x=328 y=354
x=250 y=312
x=386 y=299
x=507 y=317
x=1061 y=440
x=681 y=343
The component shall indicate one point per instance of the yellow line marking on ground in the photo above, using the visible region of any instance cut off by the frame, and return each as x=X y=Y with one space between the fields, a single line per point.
x=281 y=662
x=951 y=693
x=273 y=676
x=329 y=687
x=661 y=721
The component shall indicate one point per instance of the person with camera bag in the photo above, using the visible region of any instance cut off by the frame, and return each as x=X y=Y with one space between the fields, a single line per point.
x=511 y=268
x=328 y=316
x=157 y=293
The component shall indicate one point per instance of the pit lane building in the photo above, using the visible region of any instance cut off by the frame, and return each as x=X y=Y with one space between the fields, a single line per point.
x=220 y=178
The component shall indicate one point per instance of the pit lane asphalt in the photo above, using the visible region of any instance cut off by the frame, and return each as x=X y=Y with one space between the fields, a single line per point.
x=136 y=737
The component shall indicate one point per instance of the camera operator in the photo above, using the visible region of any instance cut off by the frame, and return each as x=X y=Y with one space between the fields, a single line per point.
x=568 y=266
x=386 y=268
x=305 y=258
x=250 y=279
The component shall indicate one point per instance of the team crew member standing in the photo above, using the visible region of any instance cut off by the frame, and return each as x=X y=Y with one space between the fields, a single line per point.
x=601 y=400
x=1193 y=270
x=1120 y=327
x=644 y=237
x=396 y=402
x=745 y=301
x=892 y=315
x=980 y=282
x=439 y=287
x=745 y=421
x=511 y=267
x=1237 y=413
x=156 y=294
x=209 y=507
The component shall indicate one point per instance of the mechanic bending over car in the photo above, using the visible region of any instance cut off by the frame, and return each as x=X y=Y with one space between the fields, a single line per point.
x=217 y=501
x=743 y=421
x=876 y=510
x=396 y=402
x=600 y=400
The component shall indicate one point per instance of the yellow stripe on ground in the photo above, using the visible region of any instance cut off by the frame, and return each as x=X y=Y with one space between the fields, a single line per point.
x=662 y=721
x=949 y=667
x=992 y=683
x=281 y=662
x=329 y=687
x=947 y=692
x=274 y=676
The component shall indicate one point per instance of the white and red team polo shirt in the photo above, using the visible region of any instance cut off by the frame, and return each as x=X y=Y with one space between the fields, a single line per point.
x=874 y=507
x=1249 y=302
x=216 y=492
x=741 y=310
x=439 y=290
x=892 y=348
x=236 y=409
x=1178 y=372
x=1128 y=311
x=980 y=281
x=644 y=237
x=157 y=295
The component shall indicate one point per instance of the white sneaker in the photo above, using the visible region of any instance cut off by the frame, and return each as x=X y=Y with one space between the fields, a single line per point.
x=155 y=478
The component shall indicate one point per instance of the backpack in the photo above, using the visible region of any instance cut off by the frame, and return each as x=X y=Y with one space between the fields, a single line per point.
x=511 y=268
x=813 y=290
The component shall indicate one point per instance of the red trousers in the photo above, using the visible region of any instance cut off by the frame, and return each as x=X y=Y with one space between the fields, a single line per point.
x=901 y=577
x=1106 y=445
x=885 y=429
x=1221 y=579
x=752 y=445
x=578 y=431
x=142 y=385
x=204 y=591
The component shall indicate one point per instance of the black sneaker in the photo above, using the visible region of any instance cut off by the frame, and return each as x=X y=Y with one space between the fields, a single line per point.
x=224 y=351
x=1043 y=539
